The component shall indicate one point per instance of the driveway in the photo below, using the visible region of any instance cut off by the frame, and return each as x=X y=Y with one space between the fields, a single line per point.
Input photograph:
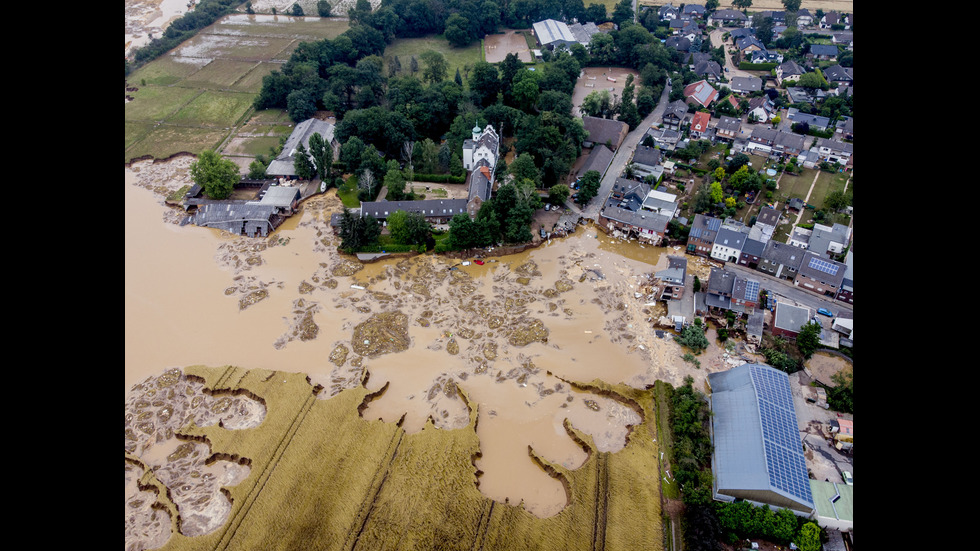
x=716 y=40
x=623 y=154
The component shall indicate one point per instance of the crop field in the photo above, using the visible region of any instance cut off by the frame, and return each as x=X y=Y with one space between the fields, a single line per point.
x=195 y=97
x=322 y=477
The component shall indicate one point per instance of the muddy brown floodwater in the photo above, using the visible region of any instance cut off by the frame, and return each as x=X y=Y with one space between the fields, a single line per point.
x=519 y=335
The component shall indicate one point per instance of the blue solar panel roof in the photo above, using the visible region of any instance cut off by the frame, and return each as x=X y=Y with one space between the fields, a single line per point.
x=823 y=265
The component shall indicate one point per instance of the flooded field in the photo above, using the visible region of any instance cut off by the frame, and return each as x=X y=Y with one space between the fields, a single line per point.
x=525 y=337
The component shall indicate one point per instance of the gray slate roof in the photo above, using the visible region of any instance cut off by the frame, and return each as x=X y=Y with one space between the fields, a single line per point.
x=746 y=84
x=646 y=155
x=283 y=164
x=642 y=219
x=730 y=238
x=818 y=267
x=781 y=253
x=823 y=49
x=429 y=207
x=598 y=160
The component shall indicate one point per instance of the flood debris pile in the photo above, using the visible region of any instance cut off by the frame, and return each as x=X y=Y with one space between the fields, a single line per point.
x=382 y=333
x=147 y=522
x=302 y=325
x=346 y=267
x=190 y=476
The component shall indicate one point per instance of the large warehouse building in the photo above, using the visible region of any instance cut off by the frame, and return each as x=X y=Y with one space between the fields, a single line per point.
x=758 y=452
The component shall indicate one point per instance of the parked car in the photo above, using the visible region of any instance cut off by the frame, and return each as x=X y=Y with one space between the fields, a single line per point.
x=825 y=312
x=848 y=479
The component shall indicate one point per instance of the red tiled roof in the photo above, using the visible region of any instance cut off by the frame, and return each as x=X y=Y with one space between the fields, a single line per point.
x=699 y=122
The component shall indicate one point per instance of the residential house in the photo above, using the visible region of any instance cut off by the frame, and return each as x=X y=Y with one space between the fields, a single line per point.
x=647 y=227
x=754 y=327
x=701 y=238
x=485 y=144
x=283 y=165
x=751 y=252
x=674 y=115
x=728 y=244
x=788 y=144
x=845 y=129
x=708 y=69
x=646 y=157
x=604 y=131
x=749 y=44
x=800 y=237
x=819 y=274
x=788 y=71
x=694 y=10
x=760 y=108
x=660 y=202
x=845 y=39
x=768 y=217
x=745 y=85
x=669 y=283
x=788 y=320
x=599 y=160
x=436 y=211
x=700 y=93
x=745 y=294
x=728 y=18
x=828 y=241
x=846 y=292
x=664 y=138
x=798 y=94
x=822 y=52
x=814 y=121
x=832 y=18
x=761 y=140
x=728 y=128
x=839 y=75
x=778 y=17
x=742 y=32
x=718 y=293
x=781 y=260
x=627 y=193
x=699 y=124
x=804 y=18
x=668 y=12
x=835 y=151
x=679 y=43
x=480 y=187
x=766 y=56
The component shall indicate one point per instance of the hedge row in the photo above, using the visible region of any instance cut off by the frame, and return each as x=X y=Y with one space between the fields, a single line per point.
x=746 y=66
x=439 y=178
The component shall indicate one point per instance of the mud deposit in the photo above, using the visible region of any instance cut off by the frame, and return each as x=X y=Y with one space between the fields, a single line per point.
x=522 y=336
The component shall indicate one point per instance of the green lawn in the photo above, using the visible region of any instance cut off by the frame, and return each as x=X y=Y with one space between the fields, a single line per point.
x=348 y=193
x=457 y=58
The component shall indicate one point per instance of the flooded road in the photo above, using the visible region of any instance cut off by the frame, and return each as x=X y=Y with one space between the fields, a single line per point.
x=521 y=336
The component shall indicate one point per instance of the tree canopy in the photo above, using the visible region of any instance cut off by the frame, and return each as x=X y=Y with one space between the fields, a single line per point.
x=216 y=176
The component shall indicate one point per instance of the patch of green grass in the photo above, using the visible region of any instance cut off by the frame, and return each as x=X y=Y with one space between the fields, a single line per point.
x=156 y=103
x=166 y=140
x=219 y=74
x=252 y=81
x=165 y=70
x=456 y=58
x=136 y=131
x=348 y=193
x=214 y=108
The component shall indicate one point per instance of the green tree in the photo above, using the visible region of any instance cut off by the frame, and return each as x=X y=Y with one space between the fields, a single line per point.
x=458 y=30
x=809 y=539
x=248 y=8
x=717 y=194
x=216 y=176
x=524 y=168
x=321 y=154
x=436 y=66
x=558 y=194
x=302 y=164
x=350 y=153
x=323 y=8
x=484 y=83
x=589 y=186
x=792 y=6
x=300 y=105
x=598 y=103
x=394 y=180
x=408 y=228
x=711 y=5
x=838 y=200
x=693 y=337
x=742 y=4
x=813 y=79
x=297 y=10
x=256 y=170
x=622 y=12
x=808 y=339
x=841 y=396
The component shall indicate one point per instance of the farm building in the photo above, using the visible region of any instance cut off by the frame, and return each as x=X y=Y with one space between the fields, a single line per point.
x=604 y=131
x=250 y=218
x=282 y=166
x=758 y=455
x=557 y=33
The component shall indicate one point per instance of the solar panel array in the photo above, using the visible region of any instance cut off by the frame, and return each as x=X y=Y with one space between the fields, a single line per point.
x=751 y=290
x=824 y=266
x=784 y=452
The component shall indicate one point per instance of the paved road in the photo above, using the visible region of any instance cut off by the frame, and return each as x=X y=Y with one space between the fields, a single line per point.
x=623 y=154
x=716 y=40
